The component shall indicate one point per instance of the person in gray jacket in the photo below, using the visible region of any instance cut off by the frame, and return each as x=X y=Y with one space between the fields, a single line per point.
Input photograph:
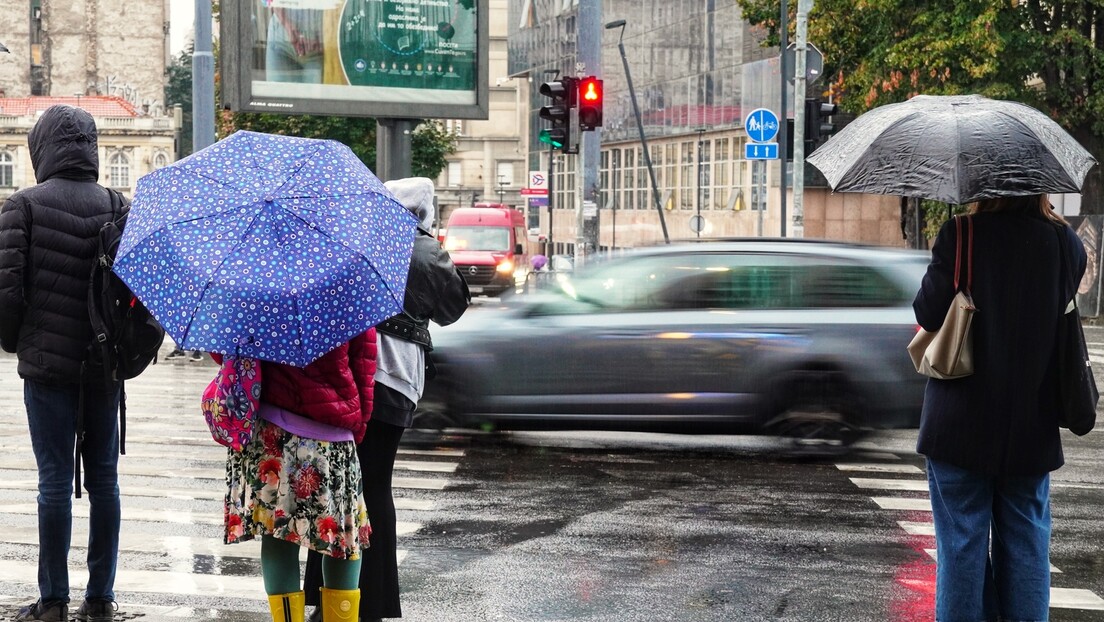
x=435 y=290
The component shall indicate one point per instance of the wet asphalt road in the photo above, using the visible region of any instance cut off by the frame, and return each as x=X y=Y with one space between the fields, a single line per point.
x=574 y=527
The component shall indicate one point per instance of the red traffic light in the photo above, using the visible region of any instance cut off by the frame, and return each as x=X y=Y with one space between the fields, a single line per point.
x=590 y=103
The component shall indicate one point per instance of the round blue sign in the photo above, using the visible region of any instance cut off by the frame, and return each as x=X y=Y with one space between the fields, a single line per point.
x=761 y=125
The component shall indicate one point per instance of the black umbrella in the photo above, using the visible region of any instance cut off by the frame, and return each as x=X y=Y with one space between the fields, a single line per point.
x=3 y=48
x=955 y=149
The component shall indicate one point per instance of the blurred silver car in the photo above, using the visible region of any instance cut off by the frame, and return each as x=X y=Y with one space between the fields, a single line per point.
x=799 y=338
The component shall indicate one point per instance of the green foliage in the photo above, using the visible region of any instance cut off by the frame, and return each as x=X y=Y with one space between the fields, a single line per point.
x=936 y=213
x=1047 y=54
x=429 y=144
x=178 y=90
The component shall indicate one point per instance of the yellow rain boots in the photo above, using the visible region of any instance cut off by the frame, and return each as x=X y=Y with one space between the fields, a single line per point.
x=288 y=607
x=340 y=605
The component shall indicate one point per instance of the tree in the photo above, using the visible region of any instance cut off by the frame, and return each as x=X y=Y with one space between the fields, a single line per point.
x=430 y=142
x=178 y=90
x=1046 y=54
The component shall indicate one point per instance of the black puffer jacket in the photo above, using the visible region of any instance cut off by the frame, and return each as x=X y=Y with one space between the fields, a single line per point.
x=47 y=244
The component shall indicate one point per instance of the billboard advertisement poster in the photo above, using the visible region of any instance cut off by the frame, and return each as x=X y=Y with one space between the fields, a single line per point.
x=382 y=58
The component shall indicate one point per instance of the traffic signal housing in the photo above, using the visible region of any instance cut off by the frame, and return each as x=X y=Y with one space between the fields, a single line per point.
x=818 y=122
x=562 y=94
x=590 y=103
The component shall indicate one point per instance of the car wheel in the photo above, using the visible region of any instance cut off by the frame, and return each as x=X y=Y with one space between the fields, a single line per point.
x=817 y=414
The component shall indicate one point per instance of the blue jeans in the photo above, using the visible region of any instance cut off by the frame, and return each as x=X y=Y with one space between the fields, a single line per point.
x=52 y=416
x=992 y=538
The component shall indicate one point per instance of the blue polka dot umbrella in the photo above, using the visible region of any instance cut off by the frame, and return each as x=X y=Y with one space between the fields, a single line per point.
x=273 y=247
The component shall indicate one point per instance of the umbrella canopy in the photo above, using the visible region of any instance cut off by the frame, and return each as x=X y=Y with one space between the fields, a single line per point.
x=273 y=247
x=955 y=149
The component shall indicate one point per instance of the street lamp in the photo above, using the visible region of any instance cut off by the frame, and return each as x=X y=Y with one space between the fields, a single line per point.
x=639 y=123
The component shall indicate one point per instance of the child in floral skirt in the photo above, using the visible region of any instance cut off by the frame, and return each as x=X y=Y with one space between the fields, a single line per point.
x=297 y=483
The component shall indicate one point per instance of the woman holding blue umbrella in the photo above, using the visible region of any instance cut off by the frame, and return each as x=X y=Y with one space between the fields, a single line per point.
x=287 y=251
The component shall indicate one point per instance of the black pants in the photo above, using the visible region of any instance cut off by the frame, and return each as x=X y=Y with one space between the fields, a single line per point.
x=379 y=568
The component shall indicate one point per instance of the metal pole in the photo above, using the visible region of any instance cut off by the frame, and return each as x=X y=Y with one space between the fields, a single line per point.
x=640 y=126
x=589 y=55
x=701 y=132
x=394 y=146
x=761 y=188
x=203 y=79
x=551 y=192
x=800 y=49
x=783 y=43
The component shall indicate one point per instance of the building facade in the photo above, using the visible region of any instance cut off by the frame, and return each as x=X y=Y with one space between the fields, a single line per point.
x=130 y=144
x=697 y=67
x=106 y=56
x=490 y=160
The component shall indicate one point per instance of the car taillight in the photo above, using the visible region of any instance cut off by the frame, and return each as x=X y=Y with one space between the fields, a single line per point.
x=505 y=266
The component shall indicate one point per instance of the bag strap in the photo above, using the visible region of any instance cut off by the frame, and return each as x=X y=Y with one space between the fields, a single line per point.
x=969 y=252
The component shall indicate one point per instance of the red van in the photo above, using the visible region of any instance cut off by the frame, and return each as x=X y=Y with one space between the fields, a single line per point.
x=487 y=243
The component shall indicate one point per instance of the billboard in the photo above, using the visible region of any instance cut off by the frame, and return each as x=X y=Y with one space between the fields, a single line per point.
x=378 y=58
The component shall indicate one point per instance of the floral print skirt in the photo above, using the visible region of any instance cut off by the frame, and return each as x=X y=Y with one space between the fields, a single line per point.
x=297 y=489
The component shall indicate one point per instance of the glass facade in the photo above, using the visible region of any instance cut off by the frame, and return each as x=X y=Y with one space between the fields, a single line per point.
x=687 y=59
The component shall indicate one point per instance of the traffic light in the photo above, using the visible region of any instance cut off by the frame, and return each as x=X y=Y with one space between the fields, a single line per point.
x=562 y=95
x=818 y=125
x=590 y=103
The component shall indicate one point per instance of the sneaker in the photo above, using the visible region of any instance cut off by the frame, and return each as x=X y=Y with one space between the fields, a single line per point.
x=175 y=354
x=38 y=611
x=96 y=610
x=197 y=356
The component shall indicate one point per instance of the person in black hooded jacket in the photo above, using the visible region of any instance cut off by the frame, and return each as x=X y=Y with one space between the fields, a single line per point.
x=48 y=236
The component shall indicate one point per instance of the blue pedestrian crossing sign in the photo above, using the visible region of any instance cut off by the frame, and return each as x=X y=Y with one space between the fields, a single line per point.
x=761 y=125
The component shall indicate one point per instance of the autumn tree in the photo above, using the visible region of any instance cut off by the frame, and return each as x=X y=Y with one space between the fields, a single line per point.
x=1049 y=55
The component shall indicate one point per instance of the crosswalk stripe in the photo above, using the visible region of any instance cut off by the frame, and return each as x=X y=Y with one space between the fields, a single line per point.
x=902 y=503
x=890 y=484
x=197 y=494
x=182 y=517
x=914 y=528
x=935 y=557
x=160 y=582
x=881 y=468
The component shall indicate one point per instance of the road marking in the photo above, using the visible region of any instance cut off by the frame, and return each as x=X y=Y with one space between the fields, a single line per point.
x=180 y=517
x=935 y=556
x=914 y=528
x=909 y=469
x=1066 y=598
x=890 y=484
x=901 y=503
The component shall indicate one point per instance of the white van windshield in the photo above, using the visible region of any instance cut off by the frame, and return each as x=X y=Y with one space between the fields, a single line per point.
x=461 y=238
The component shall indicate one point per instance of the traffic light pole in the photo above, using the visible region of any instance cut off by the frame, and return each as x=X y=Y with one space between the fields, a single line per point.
x=549 y=250
x=800 y=50
x=589 y=55
x=783 y=34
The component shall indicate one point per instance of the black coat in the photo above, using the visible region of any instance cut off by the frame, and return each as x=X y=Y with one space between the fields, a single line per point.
x=47 y=244
x=1001 y=420
x=435 y=289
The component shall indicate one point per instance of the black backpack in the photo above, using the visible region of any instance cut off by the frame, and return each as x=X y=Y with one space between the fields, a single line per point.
x=126 y=337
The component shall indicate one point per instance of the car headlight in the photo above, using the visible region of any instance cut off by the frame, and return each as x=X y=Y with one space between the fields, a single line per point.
x=506 y=267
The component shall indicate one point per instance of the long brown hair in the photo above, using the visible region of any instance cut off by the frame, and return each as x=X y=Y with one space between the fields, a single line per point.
x=1027 y=203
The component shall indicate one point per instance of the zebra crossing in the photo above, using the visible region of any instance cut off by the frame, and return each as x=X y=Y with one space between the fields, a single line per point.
x=173 y=564
x=901 y=489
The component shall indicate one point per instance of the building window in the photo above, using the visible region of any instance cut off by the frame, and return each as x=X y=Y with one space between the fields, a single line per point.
x=455 y=174
x=454 y=127
x=160 y=160
x=119 y=170
x=7 y=170
x=504 y=173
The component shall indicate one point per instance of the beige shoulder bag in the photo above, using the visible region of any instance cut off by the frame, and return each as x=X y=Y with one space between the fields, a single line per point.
x=948 y=352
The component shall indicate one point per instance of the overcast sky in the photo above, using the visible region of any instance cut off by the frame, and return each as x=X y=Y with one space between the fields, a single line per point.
x=181 y=20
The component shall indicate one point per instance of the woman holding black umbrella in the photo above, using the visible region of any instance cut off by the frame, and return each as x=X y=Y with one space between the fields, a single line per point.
x=992 y=438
